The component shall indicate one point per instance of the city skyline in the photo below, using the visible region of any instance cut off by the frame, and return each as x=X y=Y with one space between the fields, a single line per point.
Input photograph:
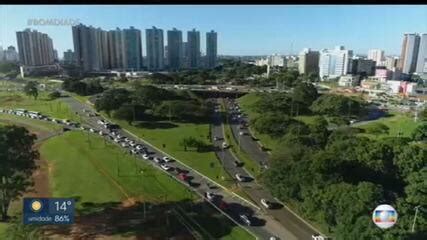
x=242 y=30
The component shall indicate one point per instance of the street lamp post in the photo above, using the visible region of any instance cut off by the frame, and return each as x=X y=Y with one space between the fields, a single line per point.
x=415 y=217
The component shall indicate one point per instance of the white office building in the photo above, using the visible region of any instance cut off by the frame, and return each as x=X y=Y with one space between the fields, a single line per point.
x=422 y=55
x=377 y=55
x=334 y=63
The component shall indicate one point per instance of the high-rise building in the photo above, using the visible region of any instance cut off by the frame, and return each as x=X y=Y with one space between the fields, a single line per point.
x=174 y=54
x=363 y=67
x=193 y=49
x=116 y=49
x=211 y=49
x=391 y=62
x=410 y=47
x=69 y=57
x=9 y=55
x=422 y=55
x=308 y=61
x=35 y=48
x=132 y=49
x=87 y=47
x=155 y=49
x=376 y=55
x=334 y=63
x=55 y=55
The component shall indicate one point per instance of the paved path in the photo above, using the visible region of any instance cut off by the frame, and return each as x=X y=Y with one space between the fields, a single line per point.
x=264 y=226
x=293 y=227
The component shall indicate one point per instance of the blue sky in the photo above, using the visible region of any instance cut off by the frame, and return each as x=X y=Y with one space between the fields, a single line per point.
x=242 y=30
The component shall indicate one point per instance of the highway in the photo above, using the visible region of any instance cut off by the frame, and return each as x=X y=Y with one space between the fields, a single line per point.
x=264 y=226
x=293 y=226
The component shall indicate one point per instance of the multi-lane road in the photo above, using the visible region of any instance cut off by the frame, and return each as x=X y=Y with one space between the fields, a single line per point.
x=263 y=225
x=293 y=227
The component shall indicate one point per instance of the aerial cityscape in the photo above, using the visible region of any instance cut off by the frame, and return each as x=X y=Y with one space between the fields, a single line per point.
x=213 y=122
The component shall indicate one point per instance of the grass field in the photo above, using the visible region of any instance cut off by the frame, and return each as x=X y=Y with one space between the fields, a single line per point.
x=3 y=227
x=54 y=108
x=170 y=134
x=31 y=124
x=397 y=123
x=107 y=173
x=100 y=173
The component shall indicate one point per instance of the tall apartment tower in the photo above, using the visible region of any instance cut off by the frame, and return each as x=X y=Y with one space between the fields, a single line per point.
x=334 y=63
x=422 y=55
x=409 y=54
x=86 y=47
x=35 y=48
x=308 y=61
x=116 y=48
x=211 y=49
x=193 y=49
x=174 y=54
x=132 y=49
x=155 y=49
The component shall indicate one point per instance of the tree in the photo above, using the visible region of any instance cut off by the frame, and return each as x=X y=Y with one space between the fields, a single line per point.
x=420 y=133
x=377 y=128
x=125 y=112
x=336 y=105
x=17 y=161
x=305 y=93
x=30 y=89
x=54 y=95
x=423 y=115
x=112 y=99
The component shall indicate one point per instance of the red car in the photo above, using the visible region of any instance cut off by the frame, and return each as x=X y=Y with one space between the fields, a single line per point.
x=183 y=176
x=223 y=205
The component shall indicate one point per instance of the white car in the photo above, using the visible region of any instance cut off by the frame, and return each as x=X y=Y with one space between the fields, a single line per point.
x=157 y=160
x=241 y=133
x=167 y=159
x=100 y=122
x=245 y=219
x=91 y=130
x=210 y=196
x=165 y=167
x=145 y=156
x=124 y=144
x=224 y=145
x=240 y=178
x=101 y=133
x=265 y=203
x=132 y=143
x=117 y=140
x=127 y=140
x=139 y=147
x=134 y=151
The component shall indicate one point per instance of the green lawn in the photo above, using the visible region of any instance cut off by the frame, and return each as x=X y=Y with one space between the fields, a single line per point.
x=398 y=122
x=171 y=134
x=32 y=124
x=54 y=108
x=3 y=227
x=105 y=174
x=108 y=174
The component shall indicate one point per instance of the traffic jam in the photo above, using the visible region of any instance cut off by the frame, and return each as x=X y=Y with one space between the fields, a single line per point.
x=112 y=132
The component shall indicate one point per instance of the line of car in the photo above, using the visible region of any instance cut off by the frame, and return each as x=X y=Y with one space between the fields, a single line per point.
x=110 y=131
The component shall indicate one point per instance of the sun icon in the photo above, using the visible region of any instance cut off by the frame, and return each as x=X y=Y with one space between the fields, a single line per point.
x=36 y=206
